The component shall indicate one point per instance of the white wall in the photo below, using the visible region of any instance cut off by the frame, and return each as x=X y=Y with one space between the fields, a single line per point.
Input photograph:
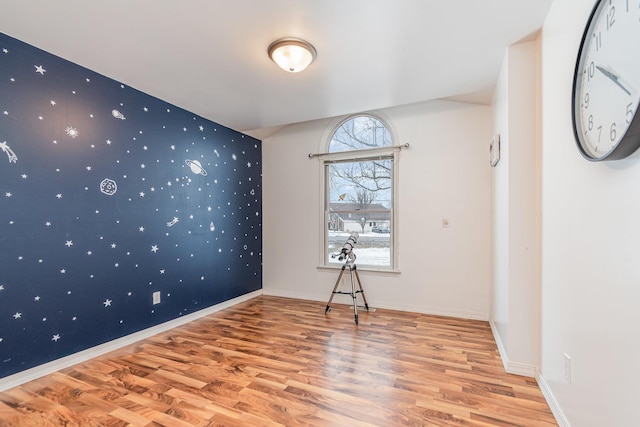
x=444 y=174
x=500 y=214
x=590 y=250
x=515 y=313
x=590 y=231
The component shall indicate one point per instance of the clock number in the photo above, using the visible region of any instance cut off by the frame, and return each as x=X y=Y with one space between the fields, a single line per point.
x=611 y=17
x=591 y=122
x=612 y=132
x=591 y=71
x=599 y=132
x=598 y=40
x=586 y=101
x=629 y=112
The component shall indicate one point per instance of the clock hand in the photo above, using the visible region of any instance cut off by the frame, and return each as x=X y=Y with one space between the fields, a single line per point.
x=613 y=78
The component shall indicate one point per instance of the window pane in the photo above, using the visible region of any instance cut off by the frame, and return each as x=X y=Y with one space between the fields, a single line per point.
x=360 y=200
x=359 y=133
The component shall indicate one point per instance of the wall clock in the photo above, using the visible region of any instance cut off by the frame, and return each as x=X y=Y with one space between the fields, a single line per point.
x=606 y=82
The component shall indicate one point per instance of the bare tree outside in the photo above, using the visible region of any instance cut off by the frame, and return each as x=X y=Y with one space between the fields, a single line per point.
x=360 y=133
x=363 y=200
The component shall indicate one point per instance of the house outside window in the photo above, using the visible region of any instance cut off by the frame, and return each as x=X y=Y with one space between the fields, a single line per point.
x=359 y=171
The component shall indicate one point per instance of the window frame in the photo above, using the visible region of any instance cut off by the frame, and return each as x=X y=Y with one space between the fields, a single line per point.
x=327 y=158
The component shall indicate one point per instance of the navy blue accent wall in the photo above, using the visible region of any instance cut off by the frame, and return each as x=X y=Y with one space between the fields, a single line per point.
x=108 y=195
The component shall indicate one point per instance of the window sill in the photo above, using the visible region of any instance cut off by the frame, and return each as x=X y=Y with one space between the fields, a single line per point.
x=368 y=269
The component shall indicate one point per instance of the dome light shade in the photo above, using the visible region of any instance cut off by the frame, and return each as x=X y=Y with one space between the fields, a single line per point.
x=292 y=55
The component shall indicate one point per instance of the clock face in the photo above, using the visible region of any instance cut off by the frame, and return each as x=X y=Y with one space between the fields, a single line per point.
x=606 y=87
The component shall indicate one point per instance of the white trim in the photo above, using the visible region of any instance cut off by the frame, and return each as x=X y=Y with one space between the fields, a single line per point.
x=510 y=367
x=298 y=295
x=498 y=340
x=394 y=158
x=334 y=125
x=324 y=297
x=82 y=356
x=551 y=401
x=459 y=314
x=325 y=158
x=524 y=369
x=395 y=240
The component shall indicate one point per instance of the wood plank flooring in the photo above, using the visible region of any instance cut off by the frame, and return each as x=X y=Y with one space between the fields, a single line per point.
x=276 y=361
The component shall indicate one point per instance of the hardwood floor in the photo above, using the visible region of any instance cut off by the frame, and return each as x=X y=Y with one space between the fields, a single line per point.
x=281 y=362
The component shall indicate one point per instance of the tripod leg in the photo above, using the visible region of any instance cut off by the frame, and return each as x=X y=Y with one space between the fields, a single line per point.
x=326 y=310
x=366 y=305
x=353 y=294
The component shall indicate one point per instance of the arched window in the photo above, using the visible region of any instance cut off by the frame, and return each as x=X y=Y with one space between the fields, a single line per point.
x=359 y=179
x=359 y=133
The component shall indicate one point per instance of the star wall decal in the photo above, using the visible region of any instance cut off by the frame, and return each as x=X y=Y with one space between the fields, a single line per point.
x=74 y=134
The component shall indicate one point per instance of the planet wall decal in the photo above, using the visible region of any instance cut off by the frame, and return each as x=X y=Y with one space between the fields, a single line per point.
x=196 y=167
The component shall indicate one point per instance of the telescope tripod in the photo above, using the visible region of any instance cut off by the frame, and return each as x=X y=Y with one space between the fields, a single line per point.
x=354 y=292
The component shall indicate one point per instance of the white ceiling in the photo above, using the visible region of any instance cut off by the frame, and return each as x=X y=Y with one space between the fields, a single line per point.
x=210 y=56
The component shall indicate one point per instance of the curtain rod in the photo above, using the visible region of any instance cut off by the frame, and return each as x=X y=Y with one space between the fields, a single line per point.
x=365 y=150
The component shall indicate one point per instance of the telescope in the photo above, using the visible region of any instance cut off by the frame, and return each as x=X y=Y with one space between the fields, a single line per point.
x=347 y=253
x=347 y=249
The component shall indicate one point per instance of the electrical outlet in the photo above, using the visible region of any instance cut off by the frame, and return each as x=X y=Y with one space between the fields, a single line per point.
x=156 y=298
x=567 y=368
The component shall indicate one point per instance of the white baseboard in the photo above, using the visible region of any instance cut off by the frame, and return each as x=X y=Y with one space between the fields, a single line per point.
x=82 y=356
x=501 y=349
x=511 y=367
x=297 y=295
x=459 y=314
x=552 y=401
x=524 y=369
x=379 y=304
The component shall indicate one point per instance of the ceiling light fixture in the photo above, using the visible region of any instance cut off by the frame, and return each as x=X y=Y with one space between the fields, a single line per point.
x=292 y=55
